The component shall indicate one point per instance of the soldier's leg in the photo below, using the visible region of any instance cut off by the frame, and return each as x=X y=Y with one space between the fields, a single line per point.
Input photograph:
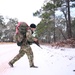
x=30 y=56
x=17 y=57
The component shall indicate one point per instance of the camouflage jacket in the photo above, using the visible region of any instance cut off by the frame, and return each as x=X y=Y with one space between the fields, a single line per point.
x=26 y=39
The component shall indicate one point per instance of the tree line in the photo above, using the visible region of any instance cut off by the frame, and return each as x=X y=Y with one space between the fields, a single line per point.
x=53 y=28
x=7 y=29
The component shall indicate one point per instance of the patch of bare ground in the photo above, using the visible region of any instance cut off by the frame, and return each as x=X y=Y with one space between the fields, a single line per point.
x=6 y=42
x=69 y=43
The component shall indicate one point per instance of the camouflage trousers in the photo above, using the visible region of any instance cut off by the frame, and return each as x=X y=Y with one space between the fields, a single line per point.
x=24 y=50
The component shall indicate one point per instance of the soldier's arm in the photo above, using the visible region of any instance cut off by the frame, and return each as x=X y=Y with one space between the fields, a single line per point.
x=29 y=36
x=19 y=37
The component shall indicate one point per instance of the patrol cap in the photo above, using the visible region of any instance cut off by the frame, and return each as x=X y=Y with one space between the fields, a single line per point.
x=33 y=25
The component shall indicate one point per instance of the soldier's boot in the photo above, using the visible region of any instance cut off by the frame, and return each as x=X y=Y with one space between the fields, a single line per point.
x=14 y=60
x=11 y=64
x=33 y=66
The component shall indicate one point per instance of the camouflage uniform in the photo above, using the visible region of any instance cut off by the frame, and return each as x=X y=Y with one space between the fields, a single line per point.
x=25 y=48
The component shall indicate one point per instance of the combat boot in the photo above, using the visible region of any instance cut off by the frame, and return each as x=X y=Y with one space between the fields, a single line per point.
x=10 y=64
x=33 y=66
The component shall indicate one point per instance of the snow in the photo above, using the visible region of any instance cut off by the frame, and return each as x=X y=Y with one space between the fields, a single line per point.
x=50 y=61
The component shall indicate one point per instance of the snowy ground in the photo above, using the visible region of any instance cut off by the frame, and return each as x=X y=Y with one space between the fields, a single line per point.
x=50 y=61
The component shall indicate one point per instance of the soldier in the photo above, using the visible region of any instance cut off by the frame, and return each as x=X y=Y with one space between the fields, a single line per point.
x=25 y=47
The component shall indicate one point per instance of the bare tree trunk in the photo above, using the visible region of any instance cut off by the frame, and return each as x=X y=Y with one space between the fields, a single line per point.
x=69 y=31
x=54 y=23
x=62 y=33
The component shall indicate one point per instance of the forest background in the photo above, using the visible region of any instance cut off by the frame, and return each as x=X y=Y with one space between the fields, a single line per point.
x=52 y=27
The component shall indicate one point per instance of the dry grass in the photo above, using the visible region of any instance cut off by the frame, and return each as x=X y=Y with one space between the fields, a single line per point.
x=6 y=42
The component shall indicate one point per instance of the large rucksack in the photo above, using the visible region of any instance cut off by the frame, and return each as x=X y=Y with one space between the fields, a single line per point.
x=21 y=30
